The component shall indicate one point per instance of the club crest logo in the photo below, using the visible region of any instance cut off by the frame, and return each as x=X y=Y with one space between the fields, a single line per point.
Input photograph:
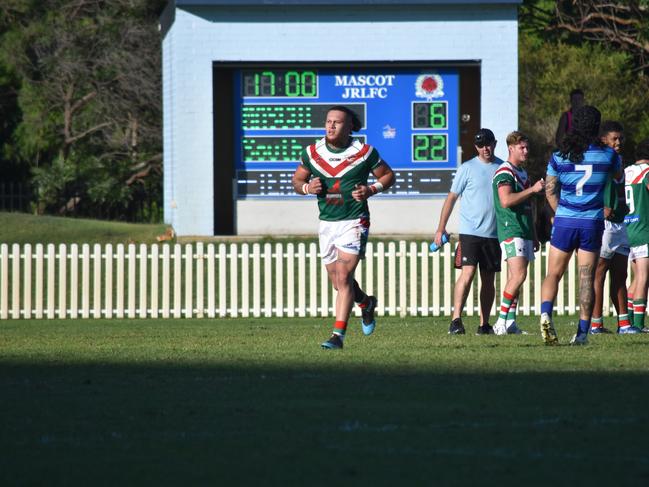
x=389 y=132
x=429 y=86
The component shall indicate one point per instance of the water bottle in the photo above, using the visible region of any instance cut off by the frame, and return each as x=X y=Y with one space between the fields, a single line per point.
x=433 y=246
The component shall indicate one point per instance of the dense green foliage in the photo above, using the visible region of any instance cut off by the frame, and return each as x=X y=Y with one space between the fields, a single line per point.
x=549 y=71
x=553 y=61
x=81 y=83
x=256 y=401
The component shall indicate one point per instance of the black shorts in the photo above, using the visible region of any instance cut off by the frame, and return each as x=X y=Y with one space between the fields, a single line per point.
x=481 y=251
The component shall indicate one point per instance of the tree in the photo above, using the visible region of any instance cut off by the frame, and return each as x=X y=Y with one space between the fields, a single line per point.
x=623 y=26
x=549 y=71
x=89 y=97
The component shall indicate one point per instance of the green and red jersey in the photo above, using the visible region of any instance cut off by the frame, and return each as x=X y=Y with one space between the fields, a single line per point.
x=618 y=207
x=515 y=221
x=340 y=170
x=636 y=177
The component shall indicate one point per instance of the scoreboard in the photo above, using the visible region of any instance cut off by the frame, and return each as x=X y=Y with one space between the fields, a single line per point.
x=410 y=115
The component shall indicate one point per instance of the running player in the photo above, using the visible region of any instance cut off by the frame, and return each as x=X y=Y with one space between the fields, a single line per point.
x=336 y=169
x=637 y=224
x=615 y=244
x=576 y=177
x=516 y=232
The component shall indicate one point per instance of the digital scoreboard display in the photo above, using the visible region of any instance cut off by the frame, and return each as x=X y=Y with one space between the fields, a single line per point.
x=410 y=115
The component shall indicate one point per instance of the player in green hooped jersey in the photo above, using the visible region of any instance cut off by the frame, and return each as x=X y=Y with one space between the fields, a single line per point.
x=336 y=169
x=636 y=181
x=516 y=233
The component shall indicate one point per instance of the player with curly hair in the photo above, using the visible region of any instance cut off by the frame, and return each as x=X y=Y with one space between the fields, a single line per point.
x=576 y=176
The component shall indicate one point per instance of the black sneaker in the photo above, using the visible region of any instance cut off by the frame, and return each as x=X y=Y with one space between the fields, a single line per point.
x=485 y=329
x=334 y=343
x=367 y=312
x=456 y=328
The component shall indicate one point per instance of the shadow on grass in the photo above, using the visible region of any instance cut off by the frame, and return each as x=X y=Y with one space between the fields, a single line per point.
x=111 y=424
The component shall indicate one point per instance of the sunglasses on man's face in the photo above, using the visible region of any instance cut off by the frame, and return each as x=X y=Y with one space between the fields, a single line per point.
x=481 y=143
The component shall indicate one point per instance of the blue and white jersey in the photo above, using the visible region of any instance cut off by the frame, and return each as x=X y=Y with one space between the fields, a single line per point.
x=581 y=203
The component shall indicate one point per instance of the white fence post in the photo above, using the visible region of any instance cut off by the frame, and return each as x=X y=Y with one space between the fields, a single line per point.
x=572 y=276
x=132 y=282
x=189 y=281
x=200 y=262
x=96 y=284
x=403 y=286
x=256 y=280
x=324 y=291
x=38 y=296
x=177 y=258
x=313 y=280
x=424 y=261
x=279 y=280
x=223 y=257
x=166 y=280
x=234 y=280
x=524 y=300
x=85 y=281
x=414 y=280
x=268 y=276
x=4 y=281
x=108 y=280
x=27 y=282
x=368 y=283
x=380 y=278
x=301 y=277
x=211 y=282
x=538 y=267
x=290 y=280
x=448 y=282
x=144 y=282
x=15 y=281
x=245 y=280
x=63 y=274
x=74 y=281
x=392 y=279
x=155 y=266
x=119 y=289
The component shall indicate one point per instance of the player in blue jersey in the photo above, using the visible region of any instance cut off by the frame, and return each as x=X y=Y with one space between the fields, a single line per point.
x=576 y=176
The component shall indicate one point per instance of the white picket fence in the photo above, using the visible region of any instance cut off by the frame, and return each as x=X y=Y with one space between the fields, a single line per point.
x=237 y=280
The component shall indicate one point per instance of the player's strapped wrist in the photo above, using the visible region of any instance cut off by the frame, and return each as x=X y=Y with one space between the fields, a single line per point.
x=305 y=188
x=376 y=188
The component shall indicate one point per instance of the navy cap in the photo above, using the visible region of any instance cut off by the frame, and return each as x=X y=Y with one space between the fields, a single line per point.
x=484 y=137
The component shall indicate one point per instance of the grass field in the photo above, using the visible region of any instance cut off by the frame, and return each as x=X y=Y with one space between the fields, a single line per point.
x=22 y=228
x=257 y=402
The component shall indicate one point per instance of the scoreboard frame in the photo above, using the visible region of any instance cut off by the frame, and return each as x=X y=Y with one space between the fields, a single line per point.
x=226 y=190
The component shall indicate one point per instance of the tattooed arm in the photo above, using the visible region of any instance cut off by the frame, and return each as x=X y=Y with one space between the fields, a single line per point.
x=552 y=190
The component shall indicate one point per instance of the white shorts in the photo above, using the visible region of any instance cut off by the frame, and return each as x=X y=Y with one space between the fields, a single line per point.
x=614 y=240
x=517 y=247
x=639 y=252
x=348 y=236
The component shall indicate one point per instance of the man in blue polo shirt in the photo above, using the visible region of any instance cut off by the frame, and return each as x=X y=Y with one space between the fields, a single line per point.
x=478 y=238
x=576 y=176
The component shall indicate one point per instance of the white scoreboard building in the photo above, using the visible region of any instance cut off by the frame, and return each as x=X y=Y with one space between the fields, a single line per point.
x=246 y=85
